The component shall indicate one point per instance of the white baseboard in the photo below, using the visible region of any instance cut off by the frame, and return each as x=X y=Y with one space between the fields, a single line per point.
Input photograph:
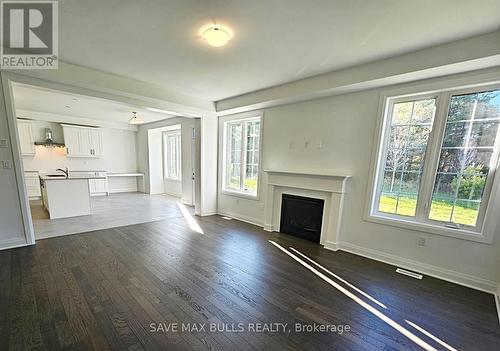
x=123 y=190
x=12 y=243
x=239 y=217
x=497 y=300
x=467 y=280
x=207 y=213
x=330 y=245
x=268 y=227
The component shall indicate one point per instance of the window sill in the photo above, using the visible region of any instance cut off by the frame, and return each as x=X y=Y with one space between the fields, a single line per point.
x=240 y=194
x=463 y=234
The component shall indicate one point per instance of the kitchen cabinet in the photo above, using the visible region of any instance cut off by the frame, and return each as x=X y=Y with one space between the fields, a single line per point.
x=98 y=181
x=82 y=141
x=98 y=187
x=32 y=181
x=26 y=139
x=95 y=137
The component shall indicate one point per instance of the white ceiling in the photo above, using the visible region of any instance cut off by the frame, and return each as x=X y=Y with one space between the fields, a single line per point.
x=276 y=41
x=43 y=100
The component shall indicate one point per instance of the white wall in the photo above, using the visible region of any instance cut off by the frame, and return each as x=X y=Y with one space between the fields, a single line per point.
x=144 y=147
x=154 y=174
x=119 y=152
x=345 y=124
x=209 y=143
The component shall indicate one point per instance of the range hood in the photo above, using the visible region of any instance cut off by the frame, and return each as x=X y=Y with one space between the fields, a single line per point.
x=49 y=142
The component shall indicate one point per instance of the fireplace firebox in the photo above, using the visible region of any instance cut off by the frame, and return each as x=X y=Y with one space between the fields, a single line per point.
x=301 y=216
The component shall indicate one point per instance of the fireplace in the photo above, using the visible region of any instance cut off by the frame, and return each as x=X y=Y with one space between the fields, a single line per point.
x=301 y=216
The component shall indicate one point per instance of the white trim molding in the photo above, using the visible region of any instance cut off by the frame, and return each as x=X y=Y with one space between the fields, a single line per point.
x=13 y=243
x=332 y=246
x=239 y=217
x=497 y=301
x=463 y=279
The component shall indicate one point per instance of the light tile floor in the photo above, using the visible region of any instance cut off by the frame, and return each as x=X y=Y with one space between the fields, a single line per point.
x=111 y=211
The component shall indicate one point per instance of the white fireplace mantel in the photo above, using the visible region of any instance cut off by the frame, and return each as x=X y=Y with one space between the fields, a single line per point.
x=330 y=187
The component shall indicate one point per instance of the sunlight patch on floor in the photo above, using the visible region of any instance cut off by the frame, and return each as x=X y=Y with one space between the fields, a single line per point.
x=362 y=303
x=436 y=339
x=188 y=217
x=341 y=279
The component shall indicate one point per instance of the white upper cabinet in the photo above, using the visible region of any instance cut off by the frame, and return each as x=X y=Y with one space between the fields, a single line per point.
x=72 y=141
x=96 y=142
x=82 y=141
x=26 y=139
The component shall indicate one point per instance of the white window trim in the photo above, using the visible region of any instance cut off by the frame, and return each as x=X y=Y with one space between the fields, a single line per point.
x=223 y=155
x=489 y=224
x=172 y=132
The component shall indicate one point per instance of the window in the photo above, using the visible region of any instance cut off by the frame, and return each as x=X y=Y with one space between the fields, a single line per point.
x=408 y=138
x=435 y=167
x=172 y=155
x=242 y=153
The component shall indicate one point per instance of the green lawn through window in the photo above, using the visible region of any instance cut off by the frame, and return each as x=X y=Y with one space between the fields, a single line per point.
x=251 y=183
x=440 y=209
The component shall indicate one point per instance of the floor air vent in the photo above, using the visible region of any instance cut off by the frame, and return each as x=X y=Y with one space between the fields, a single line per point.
x=410 y=274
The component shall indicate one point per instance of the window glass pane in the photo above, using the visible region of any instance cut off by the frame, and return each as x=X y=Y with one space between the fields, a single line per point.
x=408 y=138
x=465 y=157
x=423 y=111
x=488 y=105
x=455 y=134
x=234 y=160
x=401 y=113
x=172 y=156
x=165 y=156
x=483 y=134
x=251 y=169
x=242 y=155
x=461 y=107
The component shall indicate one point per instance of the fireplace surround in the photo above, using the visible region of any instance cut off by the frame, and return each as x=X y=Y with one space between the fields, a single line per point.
x=329 y=187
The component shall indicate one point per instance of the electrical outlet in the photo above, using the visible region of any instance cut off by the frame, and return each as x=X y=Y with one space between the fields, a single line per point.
x=6 y=164
x=422 y=241
x=3 y=143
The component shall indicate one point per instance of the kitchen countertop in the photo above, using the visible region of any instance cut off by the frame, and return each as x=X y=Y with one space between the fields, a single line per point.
x=45 y=177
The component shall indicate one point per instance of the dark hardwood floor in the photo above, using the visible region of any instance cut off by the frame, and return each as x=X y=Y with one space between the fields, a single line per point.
x=111 y=289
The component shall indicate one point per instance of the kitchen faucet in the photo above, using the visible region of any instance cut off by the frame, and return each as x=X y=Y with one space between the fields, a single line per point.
x=65 y=171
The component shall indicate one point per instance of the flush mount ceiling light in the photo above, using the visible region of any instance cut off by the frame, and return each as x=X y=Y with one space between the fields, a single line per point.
x=135 y=119
x=216 y=35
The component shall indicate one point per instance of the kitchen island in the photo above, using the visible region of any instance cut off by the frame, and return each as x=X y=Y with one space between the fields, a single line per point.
x=66 y=196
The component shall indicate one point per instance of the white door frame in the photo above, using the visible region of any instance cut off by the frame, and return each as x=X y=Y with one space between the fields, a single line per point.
x=6 y=91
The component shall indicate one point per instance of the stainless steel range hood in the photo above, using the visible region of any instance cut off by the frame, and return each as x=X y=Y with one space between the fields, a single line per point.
x=49 y=141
